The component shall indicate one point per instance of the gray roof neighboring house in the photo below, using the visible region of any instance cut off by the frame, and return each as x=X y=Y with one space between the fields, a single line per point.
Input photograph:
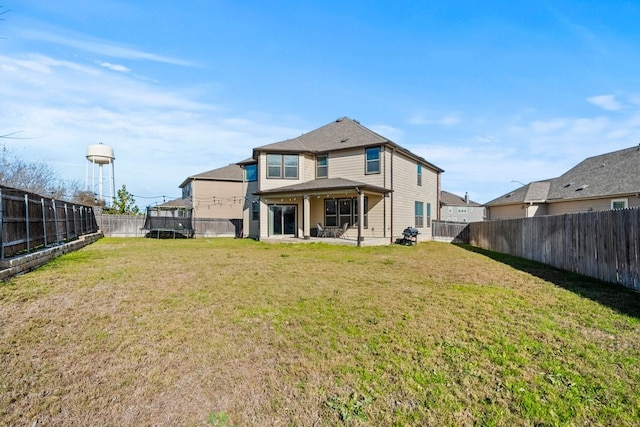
x=534 y=192
x=450 y=199
x=606 y=175
x=232 y=172
x=175 y=203
x=615 y=173
x=343 y=133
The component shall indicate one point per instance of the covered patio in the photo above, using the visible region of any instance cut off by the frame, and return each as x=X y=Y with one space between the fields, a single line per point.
x=302 y=211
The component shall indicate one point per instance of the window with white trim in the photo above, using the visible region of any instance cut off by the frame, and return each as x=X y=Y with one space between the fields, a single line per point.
x=282 y=166
x=419 y=211
x=322 y=166
x=419 y=174
x=619 y=203
x=372 y=159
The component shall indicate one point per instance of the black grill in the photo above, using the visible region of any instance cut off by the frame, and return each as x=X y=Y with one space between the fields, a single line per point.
x=409 y=236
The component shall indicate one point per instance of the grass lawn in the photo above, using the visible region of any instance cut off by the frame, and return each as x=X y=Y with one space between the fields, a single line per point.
x=133 y=332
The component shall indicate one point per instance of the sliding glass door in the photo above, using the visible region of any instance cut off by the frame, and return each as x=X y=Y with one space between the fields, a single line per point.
x=282 y=220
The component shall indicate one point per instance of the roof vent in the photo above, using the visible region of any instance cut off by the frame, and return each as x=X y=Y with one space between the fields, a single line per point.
x=344 y=139
x=582 y=187
x=568 y=184
x=340 y=119
x=509 y=195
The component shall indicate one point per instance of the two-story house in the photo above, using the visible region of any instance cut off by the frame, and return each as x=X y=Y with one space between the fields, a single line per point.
x=215 y=194
x=339 y=175
x=459 y=209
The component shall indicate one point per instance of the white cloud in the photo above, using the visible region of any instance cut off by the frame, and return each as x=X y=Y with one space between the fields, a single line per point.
x=101 y=47
x=113 y=67
x=160 y=135
x=606 y=102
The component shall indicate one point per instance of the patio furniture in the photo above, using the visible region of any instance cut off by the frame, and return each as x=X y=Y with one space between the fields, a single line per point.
x=343 y=231
x=322 y=232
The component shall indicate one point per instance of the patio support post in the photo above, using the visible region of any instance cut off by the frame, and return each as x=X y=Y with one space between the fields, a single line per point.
x=360 y=215
x=306 y=217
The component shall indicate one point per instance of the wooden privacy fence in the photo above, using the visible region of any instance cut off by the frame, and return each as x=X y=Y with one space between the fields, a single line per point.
x=446 y=231
x=132 y=226
x=604 y=245
x=30 y=222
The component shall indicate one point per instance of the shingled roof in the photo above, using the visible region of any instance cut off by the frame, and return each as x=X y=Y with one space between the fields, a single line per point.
x=610 y=174
x=232 y=172
x=343 y=133
x=450 y=199
x=607 y=175
x=331 y=184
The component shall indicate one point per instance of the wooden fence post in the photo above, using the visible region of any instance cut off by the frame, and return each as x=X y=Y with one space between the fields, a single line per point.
x=1 y=227
x=26 y=215
x=44 y=221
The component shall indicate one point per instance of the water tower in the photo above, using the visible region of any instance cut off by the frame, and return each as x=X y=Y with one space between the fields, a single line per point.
x=99 y=154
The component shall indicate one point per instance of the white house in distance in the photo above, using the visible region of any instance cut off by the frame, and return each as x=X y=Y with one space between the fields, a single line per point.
x=341 y=177
x=455 y=208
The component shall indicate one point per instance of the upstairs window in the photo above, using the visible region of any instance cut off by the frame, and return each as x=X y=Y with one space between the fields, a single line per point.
x=186 y=191
x=419 y=174
x=429 y=215
x=251 y=173
x=372 y=156
x=282 y=166
x=322 y=166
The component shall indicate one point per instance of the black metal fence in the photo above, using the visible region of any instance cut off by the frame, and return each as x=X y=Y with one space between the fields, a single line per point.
x=30 y=222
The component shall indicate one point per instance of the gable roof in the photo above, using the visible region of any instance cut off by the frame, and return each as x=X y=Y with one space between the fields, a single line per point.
x=451 y=199
x=343 y=133
x=606 y=175
x=232 y=172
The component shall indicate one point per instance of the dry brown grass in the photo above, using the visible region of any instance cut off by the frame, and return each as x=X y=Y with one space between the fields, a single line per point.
x=165 y=332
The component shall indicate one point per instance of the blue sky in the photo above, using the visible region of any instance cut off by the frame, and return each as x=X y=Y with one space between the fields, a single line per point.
x=492 y=92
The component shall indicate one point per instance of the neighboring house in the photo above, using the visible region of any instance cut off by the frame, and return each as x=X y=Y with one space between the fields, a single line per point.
x=341 y=173
x=215 y=194
x=459 y=209
x=607 y=181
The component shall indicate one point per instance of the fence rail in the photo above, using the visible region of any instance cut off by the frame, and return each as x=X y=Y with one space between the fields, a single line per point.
x=30 y=222
x=604 y=245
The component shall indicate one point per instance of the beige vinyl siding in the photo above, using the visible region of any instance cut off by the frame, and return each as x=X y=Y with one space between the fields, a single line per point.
x=575 y=206
x=506 y=212
x=217 y=199
x=536 y=210
x=307 y=164
x=350 y=164
x=407 y=192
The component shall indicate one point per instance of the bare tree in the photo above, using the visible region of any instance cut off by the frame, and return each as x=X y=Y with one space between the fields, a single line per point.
x=34 y=177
